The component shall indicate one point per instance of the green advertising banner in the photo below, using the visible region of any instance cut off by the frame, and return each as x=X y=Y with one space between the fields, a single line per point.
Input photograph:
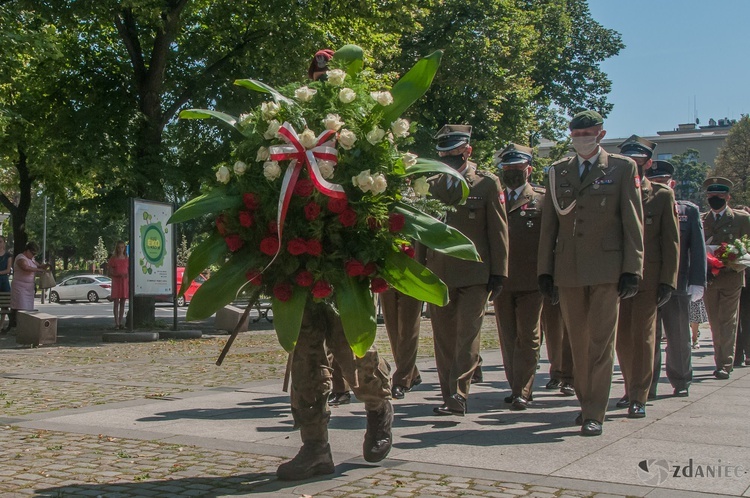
x=153 y=269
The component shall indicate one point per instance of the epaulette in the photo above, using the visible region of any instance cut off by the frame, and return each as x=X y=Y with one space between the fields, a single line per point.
x=659 y=186
x=560 y=161
x=687 y=203
x=539 y=190
x=487 y=174
x=620 y=156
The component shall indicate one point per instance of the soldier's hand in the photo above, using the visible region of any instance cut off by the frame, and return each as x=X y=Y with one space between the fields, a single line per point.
x=495 y=286
x=546 y=285
x=628 y=285
x=696 y=292
x=663 y=294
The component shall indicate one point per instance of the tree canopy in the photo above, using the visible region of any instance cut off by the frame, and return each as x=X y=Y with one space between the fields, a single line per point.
x=733 y=161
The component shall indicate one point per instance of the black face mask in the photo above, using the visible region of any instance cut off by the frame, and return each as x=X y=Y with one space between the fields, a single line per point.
x=717 y=203
x=513 y=178
x=454 y=162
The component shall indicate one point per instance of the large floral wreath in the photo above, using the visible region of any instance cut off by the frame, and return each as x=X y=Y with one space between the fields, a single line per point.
x=320 y=202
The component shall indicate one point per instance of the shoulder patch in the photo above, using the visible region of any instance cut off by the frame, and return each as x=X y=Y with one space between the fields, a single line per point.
x=501 y=196
x=637 y=181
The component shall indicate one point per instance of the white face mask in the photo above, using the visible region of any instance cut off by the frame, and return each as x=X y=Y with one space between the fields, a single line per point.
x=585 y=146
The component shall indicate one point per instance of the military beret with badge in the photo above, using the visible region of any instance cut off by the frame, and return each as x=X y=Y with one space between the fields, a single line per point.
x=586 y=119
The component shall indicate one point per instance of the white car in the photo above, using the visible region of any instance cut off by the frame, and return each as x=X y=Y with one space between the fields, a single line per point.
x=81 y=287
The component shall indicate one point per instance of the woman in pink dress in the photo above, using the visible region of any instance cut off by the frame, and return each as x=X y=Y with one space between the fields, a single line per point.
x=118 y=270
x=22 y=288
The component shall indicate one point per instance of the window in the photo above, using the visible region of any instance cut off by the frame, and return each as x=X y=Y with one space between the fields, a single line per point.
x=664 y=157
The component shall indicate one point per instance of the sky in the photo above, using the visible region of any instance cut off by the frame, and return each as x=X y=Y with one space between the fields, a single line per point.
x=682 y=59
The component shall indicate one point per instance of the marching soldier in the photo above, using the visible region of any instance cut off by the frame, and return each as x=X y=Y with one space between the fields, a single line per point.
x=723 y=224
x=483 y=220
x=591 y=248
x=636 y=329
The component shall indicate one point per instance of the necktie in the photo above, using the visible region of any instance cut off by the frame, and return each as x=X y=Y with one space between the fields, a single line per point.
x=512 y=196
x=586 y=169
x=718 y=217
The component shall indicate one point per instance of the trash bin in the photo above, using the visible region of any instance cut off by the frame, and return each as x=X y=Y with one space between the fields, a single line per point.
x=36 y=328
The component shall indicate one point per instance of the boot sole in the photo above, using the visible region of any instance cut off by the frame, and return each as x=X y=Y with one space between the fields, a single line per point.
x=320 y=469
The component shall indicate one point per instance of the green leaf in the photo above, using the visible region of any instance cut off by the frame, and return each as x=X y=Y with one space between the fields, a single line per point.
x=357 y=310
x=353 y=56
x=435 y=234
x=262 y=88
x=203 y=255
x=208 y=113
x=433 y=166
x=212 y=202
x=413 y=279
x=411 y=87
x=221 y=289
x=287 y=317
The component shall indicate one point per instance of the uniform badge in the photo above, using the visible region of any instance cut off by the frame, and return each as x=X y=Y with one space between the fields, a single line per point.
x=523 y=212
x=501 y=197
x=596 y=186
x=637 y=182
x=530 y=224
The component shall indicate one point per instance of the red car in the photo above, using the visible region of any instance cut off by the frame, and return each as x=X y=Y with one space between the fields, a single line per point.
x=188 y=296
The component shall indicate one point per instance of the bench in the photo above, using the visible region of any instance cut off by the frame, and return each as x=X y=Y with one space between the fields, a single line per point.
x=4 y=303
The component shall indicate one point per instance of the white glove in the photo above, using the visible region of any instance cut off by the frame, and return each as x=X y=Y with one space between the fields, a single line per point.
x=696 y=292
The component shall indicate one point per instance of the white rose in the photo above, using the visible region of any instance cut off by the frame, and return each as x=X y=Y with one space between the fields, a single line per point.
x=336 y=77
x=409 y=159
x=379 y=184
x=347 y=138
x=269 y=109
x=263 y=154
x=364 y=181
x=273 y=129
x=271 y=170
x=244 y=119
x=326 y=168
x=421 y=187
x=308 y=139
x=400 y=128
x=333 y=122
x=239 y=168
x=382 y=98
x=222 y=175
x=304 y=94
x=347 y=95
x=375 y=135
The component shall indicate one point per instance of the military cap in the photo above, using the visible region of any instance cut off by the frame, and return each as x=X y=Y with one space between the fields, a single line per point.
x=512 y=154
x=586 y=119
x=452 y=136
x=660 y=169
x=636 y=146
x=717 y=184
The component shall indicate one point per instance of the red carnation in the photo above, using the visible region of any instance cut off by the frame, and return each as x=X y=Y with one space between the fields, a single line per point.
x=369 y=269
x=282 y=292
x=254 y=277
x=273 y=228
x=296 y=247
x=337 y=205
x=348 y=218
x=312 y=210
x=251 y=201
x=396 y=222
x=303 y=187
x=304 y=278
x=408 y=249
x=246 y=219
x=378 y=285
x=314 y=247
x=354 y=268
x=373 y=223
x=220 y=226
x=234 y=242
x=269 y=246
x=321 y=289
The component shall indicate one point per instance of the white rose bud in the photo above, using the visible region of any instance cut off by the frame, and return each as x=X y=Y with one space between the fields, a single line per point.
x=244 y=119
x=271 y=170
x=347 y=138
x=304 y=94
x=239 y=168
x=269 y=109
x=273 y=129
x=421 y=187
x=409 y=159
x=379 y=184
x=326 y=168
x=333 y=122
x=336 y=77
x=400 y=128
x=263 y=154
x=222 y=175
x=364 y=181
x=347 y=95
x=375 y=135
x=308 y=139
x=382 y=98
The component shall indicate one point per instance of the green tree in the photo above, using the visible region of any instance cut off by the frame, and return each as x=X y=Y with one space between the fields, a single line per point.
x=733 y=160
x=183 y=251
x=689 y=175
x=101 y=253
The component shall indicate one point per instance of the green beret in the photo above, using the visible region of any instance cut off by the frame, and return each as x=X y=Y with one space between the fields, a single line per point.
x=717 y=184
x=586 y=119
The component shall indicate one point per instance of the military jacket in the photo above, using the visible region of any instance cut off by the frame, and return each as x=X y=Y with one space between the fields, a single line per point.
x=661 y=237
x=732 y=225
x=591 y=228
x=524 y=228
x=692 y=270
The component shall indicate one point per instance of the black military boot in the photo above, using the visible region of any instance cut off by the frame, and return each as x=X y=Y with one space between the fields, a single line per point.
x=378 y=438
x=314 y=458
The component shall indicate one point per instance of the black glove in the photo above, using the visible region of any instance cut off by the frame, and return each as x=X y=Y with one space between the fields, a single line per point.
x=663 y=294
x=546 y=285
x=495 y=286
x=628 y=286
x=555 y=299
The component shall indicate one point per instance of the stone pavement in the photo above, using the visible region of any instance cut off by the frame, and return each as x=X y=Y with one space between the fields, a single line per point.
x=84 y=418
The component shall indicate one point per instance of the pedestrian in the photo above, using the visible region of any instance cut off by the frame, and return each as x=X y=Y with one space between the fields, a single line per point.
x=591 y=248
x=482 y=219
x=742 y=346
x=25 y=269
x=698 y=316
x=6 y=264
x=118 y=267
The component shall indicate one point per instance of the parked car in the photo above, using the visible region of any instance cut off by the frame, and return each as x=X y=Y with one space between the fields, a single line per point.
x=188 y=296
x=81 y=287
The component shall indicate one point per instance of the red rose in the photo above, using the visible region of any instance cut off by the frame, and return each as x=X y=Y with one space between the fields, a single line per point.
x=304 y=278
x=378 y=285
x=321 y=289
x=282 y=292
x=246 y=219
x=273 y=228
x=731 y=256
x=312 y=210
x=348 y=218
x=254 y=277
x=220 y=225
x=370 y=268
x=354 y=268
x=251 y=201
x=337 y=205
x=396 y=222
x=234 y=242
x=297 y=246
x=303 y=187
x=269 y=246
x=314 y=247
x=408 y=249
x=372 y=223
